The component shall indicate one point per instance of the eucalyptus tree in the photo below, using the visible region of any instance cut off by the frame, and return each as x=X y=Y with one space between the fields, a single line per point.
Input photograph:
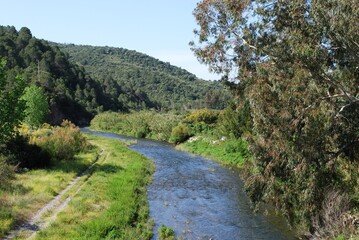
x=297 y=64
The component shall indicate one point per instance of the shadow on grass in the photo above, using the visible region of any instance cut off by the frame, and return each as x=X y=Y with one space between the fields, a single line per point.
x=74 y=166
x=19 y=189
x=108 y=168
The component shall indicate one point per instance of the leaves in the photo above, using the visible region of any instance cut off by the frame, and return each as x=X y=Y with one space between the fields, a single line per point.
x=36 y=104
x=11 y=106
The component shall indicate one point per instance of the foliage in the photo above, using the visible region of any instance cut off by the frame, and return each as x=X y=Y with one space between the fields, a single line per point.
x=201 y=120
x=145 y=82
x=202 y=116
x=296 y=64
x=166 y=233
x=180 y=134
x=63 y=142
x=36 y=104
x=11 y=106
x=235 y=121
x=138 y=124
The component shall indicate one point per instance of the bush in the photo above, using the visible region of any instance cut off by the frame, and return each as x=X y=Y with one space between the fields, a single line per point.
x=201 y=121
x=166 y=233
x=202 y=116
x=180 y=134
x=64 y=142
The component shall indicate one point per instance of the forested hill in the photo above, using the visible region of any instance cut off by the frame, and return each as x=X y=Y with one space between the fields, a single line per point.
x=166 y=85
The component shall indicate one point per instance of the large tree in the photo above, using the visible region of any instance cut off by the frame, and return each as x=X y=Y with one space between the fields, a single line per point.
x=297 y=63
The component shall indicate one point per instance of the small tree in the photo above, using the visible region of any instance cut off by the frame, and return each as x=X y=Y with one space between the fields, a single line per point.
x=36 y=104
x=10 y=105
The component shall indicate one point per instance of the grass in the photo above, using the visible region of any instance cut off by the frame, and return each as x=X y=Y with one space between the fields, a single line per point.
x=32 y=189
x=113 y=204
x=229 y=151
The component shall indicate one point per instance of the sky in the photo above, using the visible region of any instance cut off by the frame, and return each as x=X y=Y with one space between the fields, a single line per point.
x=159 y=28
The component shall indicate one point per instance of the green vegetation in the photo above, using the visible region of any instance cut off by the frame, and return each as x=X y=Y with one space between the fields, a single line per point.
x=227 y=151
x=153 y=83
x=295 y=65
x=10 y=105
x=143 y=124
x=166 y=233
x=113 y=204
x=36 y=105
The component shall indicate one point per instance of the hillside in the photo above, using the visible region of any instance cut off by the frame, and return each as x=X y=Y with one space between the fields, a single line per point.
x=164 y=84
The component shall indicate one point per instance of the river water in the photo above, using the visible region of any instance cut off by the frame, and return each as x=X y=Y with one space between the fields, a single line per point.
x=200 y=199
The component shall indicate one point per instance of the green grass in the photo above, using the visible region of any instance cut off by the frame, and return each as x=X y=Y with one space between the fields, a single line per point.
x=113 y=203
x=231 y=151
x=33 y=189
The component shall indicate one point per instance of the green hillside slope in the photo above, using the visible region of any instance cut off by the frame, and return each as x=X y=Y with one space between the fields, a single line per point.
x=166 y=85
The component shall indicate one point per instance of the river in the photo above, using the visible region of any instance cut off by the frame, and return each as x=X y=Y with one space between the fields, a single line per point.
x=199 y=198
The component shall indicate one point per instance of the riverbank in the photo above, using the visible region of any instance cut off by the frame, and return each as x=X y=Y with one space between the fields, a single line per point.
x=226 y=151
x=109 y=201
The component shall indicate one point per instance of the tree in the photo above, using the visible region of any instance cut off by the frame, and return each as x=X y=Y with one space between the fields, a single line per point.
x=11 y=106
x=36 y=103
x=296 y=63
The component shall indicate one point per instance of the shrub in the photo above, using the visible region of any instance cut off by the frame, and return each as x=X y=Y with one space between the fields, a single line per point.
x=166 y=233
x=202 y=116
x=180 y=134
x=202 y=121
x=64 y=142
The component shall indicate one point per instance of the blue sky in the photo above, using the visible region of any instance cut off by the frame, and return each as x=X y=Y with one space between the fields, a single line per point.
x=159 y=28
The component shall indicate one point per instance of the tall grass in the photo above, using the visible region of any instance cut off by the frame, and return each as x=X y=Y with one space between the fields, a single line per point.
x=143 y=124
x=113 y=204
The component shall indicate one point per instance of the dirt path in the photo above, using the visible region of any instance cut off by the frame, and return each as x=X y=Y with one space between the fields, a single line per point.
x=47 y=214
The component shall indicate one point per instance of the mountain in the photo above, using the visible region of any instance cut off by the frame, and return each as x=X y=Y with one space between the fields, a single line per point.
x=164 y=84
